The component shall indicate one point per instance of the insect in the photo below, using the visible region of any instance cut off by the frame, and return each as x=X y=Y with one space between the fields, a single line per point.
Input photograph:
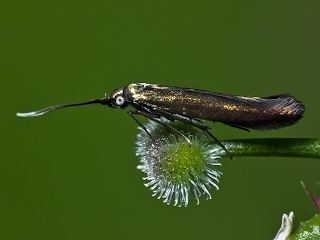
x=194 y=107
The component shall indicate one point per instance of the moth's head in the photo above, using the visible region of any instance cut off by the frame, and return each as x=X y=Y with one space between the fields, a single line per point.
x=117 y=99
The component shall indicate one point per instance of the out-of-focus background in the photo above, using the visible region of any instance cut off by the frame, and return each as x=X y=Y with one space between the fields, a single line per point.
x=72 y=174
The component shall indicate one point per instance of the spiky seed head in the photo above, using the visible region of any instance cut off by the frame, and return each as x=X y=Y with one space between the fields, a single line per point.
x=175 y=169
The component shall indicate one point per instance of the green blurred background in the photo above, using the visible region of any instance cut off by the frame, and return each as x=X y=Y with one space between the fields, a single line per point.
x=72 y=174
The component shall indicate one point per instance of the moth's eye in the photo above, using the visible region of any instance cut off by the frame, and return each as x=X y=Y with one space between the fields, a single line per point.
x=119 y=100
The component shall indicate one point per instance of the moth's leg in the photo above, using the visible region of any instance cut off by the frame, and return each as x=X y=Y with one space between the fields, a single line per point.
x=202 y=127
x=131 y=114
x=217 y=141
x=156 y=119
x=153 y=111
x=180 y=118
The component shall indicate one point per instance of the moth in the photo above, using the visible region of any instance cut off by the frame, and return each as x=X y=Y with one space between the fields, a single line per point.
x=195 y=107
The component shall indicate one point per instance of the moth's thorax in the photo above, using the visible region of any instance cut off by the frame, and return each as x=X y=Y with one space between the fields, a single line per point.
x=142 y=91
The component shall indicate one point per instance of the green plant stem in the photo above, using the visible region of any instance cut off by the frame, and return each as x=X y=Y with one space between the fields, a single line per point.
x=274 y=147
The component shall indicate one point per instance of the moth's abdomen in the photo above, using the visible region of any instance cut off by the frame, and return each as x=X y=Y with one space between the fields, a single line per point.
x=287 y=106
x=270 y=113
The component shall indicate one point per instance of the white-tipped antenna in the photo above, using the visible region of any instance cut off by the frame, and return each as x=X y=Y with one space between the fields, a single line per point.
x=39 y=112
x=104 y=101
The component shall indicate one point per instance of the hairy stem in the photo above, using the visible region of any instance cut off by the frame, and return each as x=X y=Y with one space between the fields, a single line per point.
x=274 y=147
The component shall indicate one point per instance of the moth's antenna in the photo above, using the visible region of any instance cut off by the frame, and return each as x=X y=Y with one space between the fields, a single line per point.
x=103 y=101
